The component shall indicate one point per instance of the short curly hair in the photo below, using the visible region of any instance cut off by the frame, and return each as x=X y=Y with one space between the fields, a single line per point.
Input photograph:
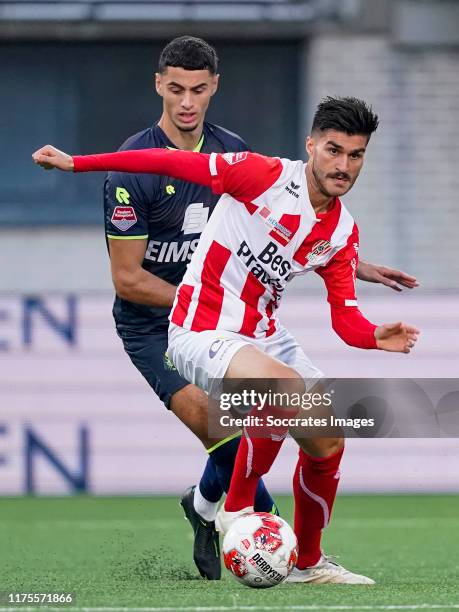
x=190 y=53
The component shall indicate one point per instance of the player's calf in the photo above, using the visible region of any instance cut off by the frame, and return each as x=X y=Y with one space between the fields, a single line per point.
x=259 y=447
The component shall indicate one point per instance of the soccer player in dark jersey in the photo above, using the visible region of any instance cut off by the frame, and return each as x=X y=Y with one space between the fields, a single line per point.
x=153 y=224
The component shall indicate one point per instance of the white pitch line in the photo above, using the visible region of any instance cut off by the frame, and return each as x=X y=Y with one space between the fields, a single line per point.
x=235 y=608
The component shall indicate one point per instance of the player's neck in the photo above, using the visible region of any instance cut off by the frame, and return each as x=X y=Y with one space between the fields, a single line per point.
x=319 y=201
x=186 y=141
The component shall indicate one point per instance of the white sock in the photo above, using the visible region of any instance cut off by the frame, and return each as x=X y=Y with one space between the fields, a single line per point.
x=205 y=508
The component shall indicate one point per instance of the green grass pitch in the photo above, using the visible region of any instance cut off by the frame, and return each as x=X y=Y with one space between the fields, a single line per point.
x=136 y=553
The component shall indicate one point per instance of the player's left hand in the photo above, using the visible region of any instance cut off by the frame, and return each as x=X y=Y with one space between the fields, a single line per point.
x=48 y=157
x=373 y=273
x=396 y=337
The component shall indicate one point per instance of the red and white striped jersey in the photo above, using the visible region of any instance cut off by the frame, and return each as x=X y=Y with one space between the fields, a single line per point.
x=262 y=233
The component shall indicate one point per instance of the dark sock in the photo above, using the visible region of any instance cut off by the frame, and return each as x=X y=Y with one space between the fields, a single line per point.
x=209 y=485
x=222 y=456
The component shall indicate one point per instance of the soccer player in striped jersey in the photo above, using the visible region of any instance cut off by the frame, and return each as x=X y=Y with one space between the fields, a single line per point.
x=276 y=219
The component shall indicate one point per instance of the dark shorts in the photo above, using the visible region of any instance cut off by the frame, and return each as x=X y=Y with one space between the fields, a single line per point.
x=147 y=352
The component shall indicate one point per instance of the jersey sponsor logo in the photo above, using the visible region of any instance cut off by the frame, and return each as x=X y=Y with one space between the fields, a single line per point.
x=319 y=248
x=292 y=190
x=124 y=217
x=235 y=158
x=170 y=189
x=196 y=217
x=122 y=195
x=278 y=228
x=271 y=258
x=174 y=251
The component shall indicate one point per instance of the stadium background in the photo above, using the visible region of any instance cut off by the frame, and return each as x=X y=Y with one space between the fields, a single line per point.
x=75 y=414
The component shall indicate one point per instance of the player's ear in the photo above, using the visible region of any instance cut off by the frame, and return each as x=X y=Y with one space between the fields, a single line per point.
x=309 y=145
x=215 y=81
x=158 y=84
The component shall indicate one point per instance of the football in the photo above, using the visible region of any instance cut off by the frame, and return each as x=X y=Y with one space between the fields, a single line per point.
x=260 y=550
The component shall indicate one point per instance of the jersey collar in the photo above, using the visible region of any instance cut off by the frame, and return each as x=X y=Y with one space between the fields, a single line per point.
x=170 y=145
x=197 y=148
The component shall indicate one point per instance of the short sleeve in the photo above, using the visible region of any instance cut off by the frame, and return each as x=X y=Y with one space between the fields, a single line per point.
x=243 y=175
x=126 y=207
x=339 y=273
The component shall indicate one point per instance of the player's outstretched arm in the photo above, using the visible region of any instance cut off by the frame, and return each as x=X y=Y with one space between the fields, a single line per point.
x=184 y=165
x=396 y=337
x=390 y=277
x=223 y=173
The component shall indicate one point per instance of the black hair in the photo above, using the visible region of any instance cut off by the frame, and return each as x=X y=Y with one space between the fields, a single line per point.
x=349 y=115
x=190 y=53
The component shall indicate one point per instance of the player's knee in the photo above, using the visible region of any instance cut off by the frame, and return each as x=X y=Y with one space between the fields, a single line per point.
x=190 y=405
x=321 y=447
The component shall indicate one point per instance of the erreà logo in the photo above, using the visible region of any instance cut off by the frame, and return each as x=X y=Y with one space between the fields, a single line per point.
x=292 y=190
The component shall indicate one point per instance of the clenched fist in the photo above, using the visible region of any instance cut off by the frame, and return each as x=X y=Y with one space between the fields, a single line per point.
x=48 y=157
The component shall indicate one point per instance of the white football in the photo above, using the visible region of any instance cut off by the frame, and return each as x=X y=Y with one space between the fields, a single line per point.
x=260 y=550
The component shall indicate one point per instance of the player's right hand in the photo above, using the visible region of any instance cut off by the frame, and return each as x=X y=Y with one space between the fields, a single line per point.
x=48 y=157
x=396 y=337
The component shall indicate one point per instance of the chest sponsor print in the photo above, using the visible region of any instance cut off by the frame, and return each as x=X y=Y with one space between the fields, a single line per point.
x=283 y=229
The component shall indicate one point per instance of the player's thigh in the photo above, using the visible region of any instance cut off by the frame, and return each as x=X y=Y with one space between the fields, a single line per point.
x=320 y=441
x=283 y=347
x=251 y=362
x=191 y=406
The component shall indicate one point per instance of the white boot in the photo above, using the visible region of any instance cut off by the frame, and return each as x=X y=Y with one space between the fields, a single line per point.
x=327 y=571
x=225 y=519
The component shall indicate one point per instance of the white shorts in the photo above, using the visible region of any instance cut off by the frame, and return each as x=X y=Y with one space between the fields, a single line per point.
x=203 y=356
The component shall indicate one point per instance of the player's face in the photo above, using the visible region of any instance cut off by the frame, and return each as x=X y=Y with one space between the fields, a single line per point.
x=336 y=160
x=186 y=95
